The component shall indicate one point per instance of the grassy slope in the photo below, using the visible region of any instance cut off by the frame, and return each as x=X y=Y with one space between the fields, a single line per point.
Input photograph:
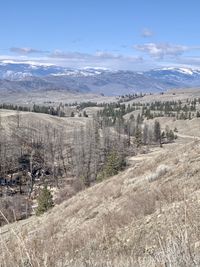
x=128 y=220
x=146 y=216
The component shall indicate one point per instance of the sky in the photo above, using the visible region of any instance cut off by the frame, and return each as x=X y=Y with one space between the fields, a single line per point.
x=115 y=34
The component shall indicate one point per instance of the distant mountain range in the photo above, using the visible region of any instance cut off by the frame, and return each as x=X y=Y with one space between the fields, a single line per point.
x=25 y=77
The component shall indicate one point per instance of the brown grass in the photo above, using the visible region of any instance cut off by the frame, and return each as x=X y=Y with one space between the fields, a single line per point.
x=127 y=220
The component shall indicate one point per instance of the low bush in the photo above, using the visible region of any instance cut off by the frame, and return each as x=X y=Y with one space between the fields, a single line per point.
x=160 y=171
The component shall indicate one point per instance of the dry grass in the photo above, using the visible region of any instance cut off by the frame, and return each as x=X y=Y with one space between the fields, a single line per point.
x=124 y=221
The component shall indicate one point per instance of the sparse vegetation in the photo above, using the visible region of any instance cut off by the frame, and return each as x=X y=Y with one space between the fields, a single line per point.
x=132 y=222
x=130 y=210
x=100 y=134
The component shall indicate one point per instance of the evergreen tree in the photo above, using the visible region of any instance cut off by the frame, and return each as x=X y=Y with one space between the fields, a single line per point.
x=171 y=136
x=145 y=134
x=72 y=114
x=85 y=114
x=114 y=164
x=138 y=137
x=45 y=201
x=157 y=132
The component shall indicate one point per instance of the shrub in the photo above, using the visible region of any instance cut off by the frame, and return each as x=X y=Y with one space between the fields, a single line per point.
x=160 y=171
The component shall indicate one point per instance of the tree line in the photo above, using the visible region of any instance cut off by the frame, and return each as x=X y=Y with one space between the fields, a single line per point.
x=54 y=111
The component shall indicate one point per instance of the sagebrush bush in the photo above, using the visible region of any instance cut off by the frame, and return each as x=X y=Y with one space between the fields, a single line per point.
x=160 y=171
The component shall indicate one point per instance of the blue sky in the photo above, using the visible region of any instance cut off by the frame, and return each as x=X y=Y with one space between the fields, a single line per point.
x=118 y=34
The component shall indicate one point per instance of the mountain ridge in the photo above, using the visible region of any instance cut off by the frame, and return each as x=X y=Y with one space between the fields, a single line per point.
x=31 y=76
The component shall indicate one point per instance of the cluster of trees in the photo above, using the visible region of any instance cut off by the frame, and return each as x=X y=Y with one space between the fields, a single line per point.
x=14 y=107
x=121 y=99
x=84 y=114
x=55 y=111
x=117 y=110
x=32 y=153
x=34 y=147
x=134 y=128
x=93 y=147
x=129 y=97
x=148 y=134
x=151 y=110
x=175 y=109
x=180 y=110
x=171 y=109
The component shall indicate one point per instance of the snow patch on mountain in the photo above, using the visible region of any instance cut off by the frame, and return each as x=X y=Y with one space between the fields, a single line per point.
x=187 y=71
x=11 y=75
x=97 y=80
x=79 y=73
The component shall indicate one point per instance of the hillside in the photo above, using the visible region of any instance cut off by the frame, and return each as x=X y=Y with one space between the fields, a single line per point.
x=147 y=215
x=170 y=95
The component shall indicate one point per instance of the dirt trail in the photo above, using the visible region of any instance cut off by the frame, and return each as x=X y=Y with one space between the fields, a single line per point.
x=188 y=136
x=153 y=152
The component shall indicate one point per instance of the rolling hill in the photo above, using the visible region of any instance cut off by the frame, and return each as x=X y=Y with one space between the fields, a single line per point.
x=147 y=215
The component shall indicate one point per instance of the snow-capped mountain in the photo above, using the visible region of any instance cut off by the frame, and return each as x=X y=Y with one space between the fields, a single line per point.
x=176 y=76
x=16 y=71
x=31 y=76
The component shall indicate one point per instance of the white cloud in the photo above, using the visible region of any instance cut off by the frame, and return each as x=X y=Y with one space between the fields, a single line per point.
x=25 y=50
x=193 y=62
x=162 y=50
x=96 y=56
x=160 y=55
x=98 y=59
x=147 y=33
x=102 y=59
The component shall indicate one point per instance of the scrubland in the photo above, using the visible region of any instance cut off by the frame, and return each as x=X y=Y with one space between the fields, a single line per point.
x=147 y=215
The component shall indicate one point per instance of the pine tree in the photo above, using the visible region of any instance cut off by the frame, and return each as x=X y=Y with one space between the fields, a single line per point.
x=85 y=114
x=45 y=201
x=157 y=132
x=138 y=137
x=114 y=164
x=145 y=134
x=171 y=136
